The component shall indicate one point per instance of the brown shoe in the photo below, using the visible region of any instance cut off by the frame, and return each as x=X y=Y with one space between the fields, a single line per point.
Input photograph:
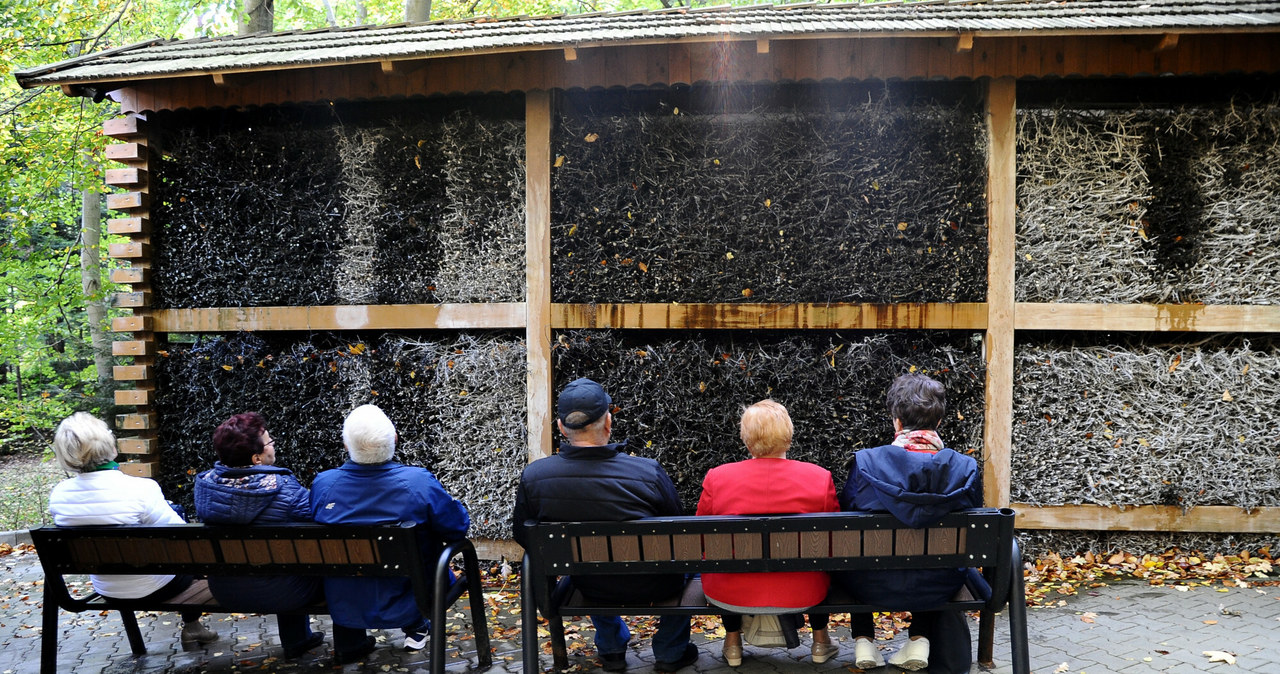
x=194 y=633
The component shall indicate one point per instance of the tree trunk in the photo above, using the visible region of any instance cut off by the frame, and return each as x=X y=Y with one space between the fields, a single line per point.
x=362 y=13
x=257 y=16
x=328 y=13
x=90 y=282
x=417 y=10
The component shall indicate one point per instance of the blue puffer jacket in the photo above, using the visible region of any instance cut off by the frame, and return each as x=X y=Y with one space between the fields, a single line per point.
x=251 y=495
x=916 y=488
x=383 y=493
x=256 y=495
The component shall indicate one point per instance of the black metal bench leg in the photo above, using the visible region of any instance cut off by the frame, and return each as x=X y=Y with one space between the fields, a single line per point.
x=439 y=599
x=1018 y=616
x=986 y=639
x=559 y=653
x=136 y=643
x=528 y=619
x=49 y=637
x=479 y=614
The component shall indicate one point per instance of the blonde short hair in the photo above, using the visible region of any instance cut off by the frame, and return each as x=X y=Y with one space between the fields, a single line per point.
x=83 y=442
x=766 y=429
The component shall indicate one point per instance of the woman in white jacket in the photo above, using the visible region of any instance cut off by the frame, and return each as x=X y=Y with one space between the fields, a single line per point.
x=101 y=494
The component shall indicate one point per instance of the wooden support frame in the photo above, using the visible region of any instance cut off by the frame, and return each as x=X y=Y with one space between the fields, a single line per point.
x=495 y=316
x=997 y=437
x=538 y=114
x=1207 y=519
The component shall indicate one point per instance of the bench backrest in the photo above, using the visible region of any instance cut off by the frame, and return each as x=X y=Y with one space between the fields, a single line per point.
x=287 y=549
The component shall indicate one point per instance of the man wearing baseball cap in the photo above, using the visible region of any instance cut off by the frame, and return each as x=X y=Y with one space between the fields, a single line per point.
x=593 y=479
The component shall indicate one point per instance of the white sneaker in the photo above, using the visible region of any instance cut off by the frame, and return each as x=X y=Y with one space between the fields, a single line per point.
x=914 y=656
x=865 y=654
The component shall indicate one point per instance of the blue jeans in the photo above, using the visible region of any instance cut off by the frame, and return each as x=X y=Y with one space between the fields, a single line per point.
x=669 y=642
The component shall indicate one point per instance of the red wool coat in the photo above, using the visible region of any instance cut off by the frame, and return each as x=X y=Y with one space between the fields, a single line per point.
x=767 y=487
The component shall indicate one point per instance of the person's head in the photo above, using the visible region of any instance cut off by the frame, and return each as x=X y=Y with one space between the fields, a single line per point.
x=766 y=429
x=583 y=411
x=243 y=440
x=83 y=442
x=369 y=435
x=917 y=402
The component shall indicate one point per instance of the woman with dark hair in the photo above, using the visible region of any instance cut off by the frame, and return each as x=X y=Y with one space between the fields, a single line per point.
x=917 y=479
x=246 y=487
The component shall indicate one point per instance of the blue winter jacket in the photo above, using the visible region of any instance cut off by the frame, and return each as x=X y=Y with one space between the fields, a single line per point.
x=255 y=495
x=383 y=493
x=917 y=488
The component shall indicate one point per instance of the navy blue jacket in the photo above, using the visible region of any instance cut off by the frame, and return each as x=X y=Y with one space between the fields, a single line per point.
x=603 y=484
x=383 y=493
x=916 y=488
x=255 y=495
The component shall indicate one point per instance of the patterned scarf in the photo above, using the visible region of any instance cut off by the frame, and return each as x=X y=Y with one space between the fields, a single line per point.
x=919 y=441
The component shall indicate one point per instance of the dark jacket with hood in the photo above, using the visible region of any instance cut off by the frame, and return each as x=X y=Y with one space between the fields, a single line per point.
x=255 y=495
x=602 y=484
x=917 y=488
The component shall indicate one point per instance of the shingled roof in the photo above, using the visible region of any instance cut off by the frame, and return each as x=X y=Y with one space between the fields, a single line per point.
x=266 y=51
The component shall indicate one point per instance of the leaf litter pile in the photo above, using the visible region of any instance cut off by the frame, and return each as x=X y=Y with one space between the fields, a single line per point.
x=390 y=204
x=866 y=194
x=1163 y=205
x=678 y=397
x=457 y=400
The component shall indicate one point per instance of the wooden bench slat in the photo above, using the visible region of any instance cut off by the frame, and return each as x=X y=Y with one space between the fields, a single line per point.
x=361 y=552
x=233 y=551
x=202 y=552
x=593 y=549
x=334 y=552
x=846 y=543
x=943 y=541
x=282 y=552
x=84 y=553
x=909 y=542
x=815 y=544
x=656 y=547
x=132 y=553
x=877 y=542
x=178 y=551
x=717 y=546
x=308 y=552
x=784 y=545
x=197 y=593
x=748 y=546
x=625 y=548
x=257 y=552
x=109 y=551
x=687 y=546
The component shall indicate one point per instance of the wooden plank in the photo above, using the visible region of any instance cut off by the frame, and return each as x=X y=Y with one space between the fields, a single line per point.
x=1207 y=519
x=1148 y=317
x=308 y=552
x=686 y=546
x=133 y=348
x=134 y=396
x=815 y=544
x=877 y=542
x=133 y=554
x=130 y=275
x=784 y=545
x=997 y=436
x=748 y=546
x=137 y=445
x=122 y=201
x=126 y=152
x=140 y=468
x=202 y=552
x=846 y=544
x=717 y=546
x=282 y=552
x=361 y=552
x=178 y=551
x=136 y=225
x=334 y=552
x=942 y=541
x=909 y=542
x=625 y=548
x=132 y=249
x=131 y=300
x=131 y=372
x=499 y=315
x=835 y=316
x=137 y=422
x=593 y=548
x=84 y=552
x=537 y=305
x=656 y=547
x=233 y=551
x=131 y=324
x=125 y=177
x=124 y=127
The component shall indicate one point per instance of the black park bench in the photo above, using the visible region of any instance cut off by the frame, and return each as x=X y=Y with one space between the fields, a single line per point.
x=982 y=537
x=280 y=550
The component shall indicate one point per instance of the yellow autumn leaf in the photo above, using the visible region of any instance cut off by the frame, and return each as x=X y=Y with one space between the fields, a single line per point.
x=356 y=349
x=592 y=137
x=746 y=292
x=417 y=161
x=227 y=367
x=559 y=160
x=729 y=255
x=643 y=267
x=768 y=203
x=902 y=226
x=1226 y=396
x=573 y=229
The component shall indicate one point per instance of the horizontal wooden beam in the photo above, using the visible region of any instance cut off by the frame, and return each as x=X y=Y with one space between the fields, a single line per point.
x=133 y=396
x=138 y=422
x=131 y=275
x=134 y=348
x=490 y=549
x=140 y=468
x=131 y=372
x=125 y=177
x=128 y=126
x=128 y=226
x=355 y=317
x=126 y=152
x=1209 y=519
x=937 y=316
x=1148 y=317
x=126 y=200
x=130 y=250
x=136 y=445
x=131 y=300
x=131 y=324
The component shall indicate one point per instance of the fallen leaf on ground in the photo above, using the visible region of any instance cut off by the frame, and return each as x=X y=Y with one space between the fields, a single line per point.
x=1221 y=656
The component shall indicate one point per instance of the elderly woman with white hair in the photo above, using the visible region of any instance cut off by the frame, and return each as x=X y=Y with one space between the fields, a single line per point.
x=371 y=488
x=101 y=494
x=768 y=483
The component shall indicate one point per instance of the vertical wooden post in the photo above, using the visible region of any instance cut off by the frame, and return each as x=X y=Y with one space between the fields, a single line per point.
x=135 y=202
x=1001 y=225
x=537 y=166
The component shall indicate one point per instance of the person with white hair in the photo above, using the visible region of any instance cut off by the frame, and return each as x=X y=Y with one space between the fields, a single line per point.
x=371 y=488
x=101 y=494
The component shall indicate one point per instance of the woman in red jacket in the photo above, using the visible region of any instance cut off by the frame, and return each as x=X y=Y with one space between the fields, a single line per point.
x=768 y=483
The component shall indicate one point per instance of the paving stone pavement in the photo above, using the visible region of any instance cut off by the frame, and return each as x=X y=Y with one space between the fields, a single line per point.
x=1127 y=627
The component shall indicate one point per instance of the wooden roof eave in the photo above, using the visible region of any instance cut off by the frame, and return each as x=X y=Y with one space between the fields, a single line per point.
x=76 y=86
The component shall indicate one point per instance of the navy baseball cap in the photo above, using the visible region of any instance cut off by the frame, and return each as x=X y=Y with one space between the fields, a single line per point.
x=582 y=395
